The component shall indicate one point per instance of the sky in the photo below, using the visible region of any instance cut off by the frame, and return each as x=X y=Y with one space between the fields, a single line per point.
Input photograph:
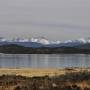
x=53 y=19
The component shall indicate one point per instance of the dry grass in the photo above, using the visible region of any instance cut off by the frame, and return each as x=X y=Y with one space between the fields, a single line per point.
x=30 y=72
x=70 y=79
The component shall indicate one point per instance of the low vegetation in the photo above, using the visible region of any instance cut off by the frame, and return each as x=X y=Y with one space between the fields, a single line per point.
x=69 y=81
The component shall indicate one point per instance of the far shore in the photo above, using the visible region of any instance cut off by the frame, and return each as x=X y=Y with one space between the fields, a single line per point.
x=32 y=72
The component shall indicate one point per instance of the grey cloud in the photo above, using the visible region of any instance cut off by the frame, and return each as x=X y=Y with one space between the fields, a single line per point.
x=60 y=18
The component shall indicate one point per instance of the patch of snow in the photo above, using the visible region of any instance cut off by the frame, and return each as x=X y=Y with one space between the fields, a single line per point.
x=40 y=40
x=82 y=40
x=3 y=40
x=68 y=41
x=20 y=40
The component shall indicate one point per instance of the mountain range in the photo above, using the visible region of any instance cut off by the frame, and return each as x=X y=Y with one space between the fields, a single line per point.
x=43 y=42
x=44 y=46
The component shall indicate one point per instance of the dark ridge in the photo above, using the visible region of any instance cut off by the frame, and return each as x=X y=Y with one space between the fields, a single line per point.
x=17 y=49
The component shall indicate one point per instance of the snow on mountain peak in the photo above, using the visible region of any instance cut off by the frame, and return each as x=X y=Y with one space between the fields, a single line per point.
x=68 y=41
x=82 y=40
x=58 y=42
x=45 y=41
x=24 y=40
x=40 y=40
x=88 y=40
x=20 y=40
x=3 y=39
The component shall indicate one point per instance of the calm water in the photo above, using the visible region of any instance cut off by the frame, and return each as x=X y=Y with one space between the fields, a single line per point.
x=44 y=60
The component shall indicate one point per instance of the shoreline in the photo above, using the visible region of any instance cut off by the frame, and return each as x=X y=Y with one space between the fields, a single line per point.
x=38 y=72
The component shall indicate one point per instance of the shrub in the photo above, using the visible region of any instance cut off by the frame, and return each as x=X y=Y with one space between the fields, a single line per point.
x=86 y=88
x=17 y=88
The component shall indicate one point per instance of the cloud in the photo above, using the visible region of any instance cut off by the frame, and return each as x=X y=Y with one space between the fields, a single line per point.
x=52 y=25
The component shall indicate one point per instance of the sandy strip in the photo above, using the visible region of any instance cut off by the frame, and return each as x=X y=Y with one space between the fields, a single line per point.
x=30 y=72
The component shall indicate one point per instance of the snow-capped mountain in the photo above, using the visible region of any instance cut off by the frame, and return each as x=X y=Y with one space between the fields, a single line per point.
x=3 y=39
x=43 y=42
x=20 y=40
x=82 y=40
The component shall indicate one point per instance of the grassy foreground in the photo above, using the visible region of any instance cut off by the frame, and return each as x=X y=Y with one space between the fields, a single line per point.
x=30 y=72
x=45 y=79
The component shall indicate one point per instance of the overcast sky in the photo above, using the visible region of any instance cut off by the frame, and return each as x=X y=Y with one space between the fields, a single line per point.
x=53 y=19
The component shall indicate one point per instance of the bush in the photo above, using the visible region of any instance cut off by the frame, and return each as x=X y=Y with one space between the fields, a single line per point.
x=86 y=88
x=17 y=88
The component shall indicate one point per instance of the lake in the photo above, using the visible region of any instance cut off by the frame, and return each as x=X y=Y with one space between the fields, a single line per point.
x=44 y=60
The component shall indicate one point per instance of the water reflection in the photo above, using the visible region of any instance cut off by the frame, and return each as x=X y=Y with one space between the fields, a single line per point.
x=44 y=60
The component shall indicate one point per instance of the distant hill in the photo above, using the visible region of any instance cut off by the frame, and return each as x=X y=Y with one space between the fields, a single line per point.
x=17 y=49
x=42 y=46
